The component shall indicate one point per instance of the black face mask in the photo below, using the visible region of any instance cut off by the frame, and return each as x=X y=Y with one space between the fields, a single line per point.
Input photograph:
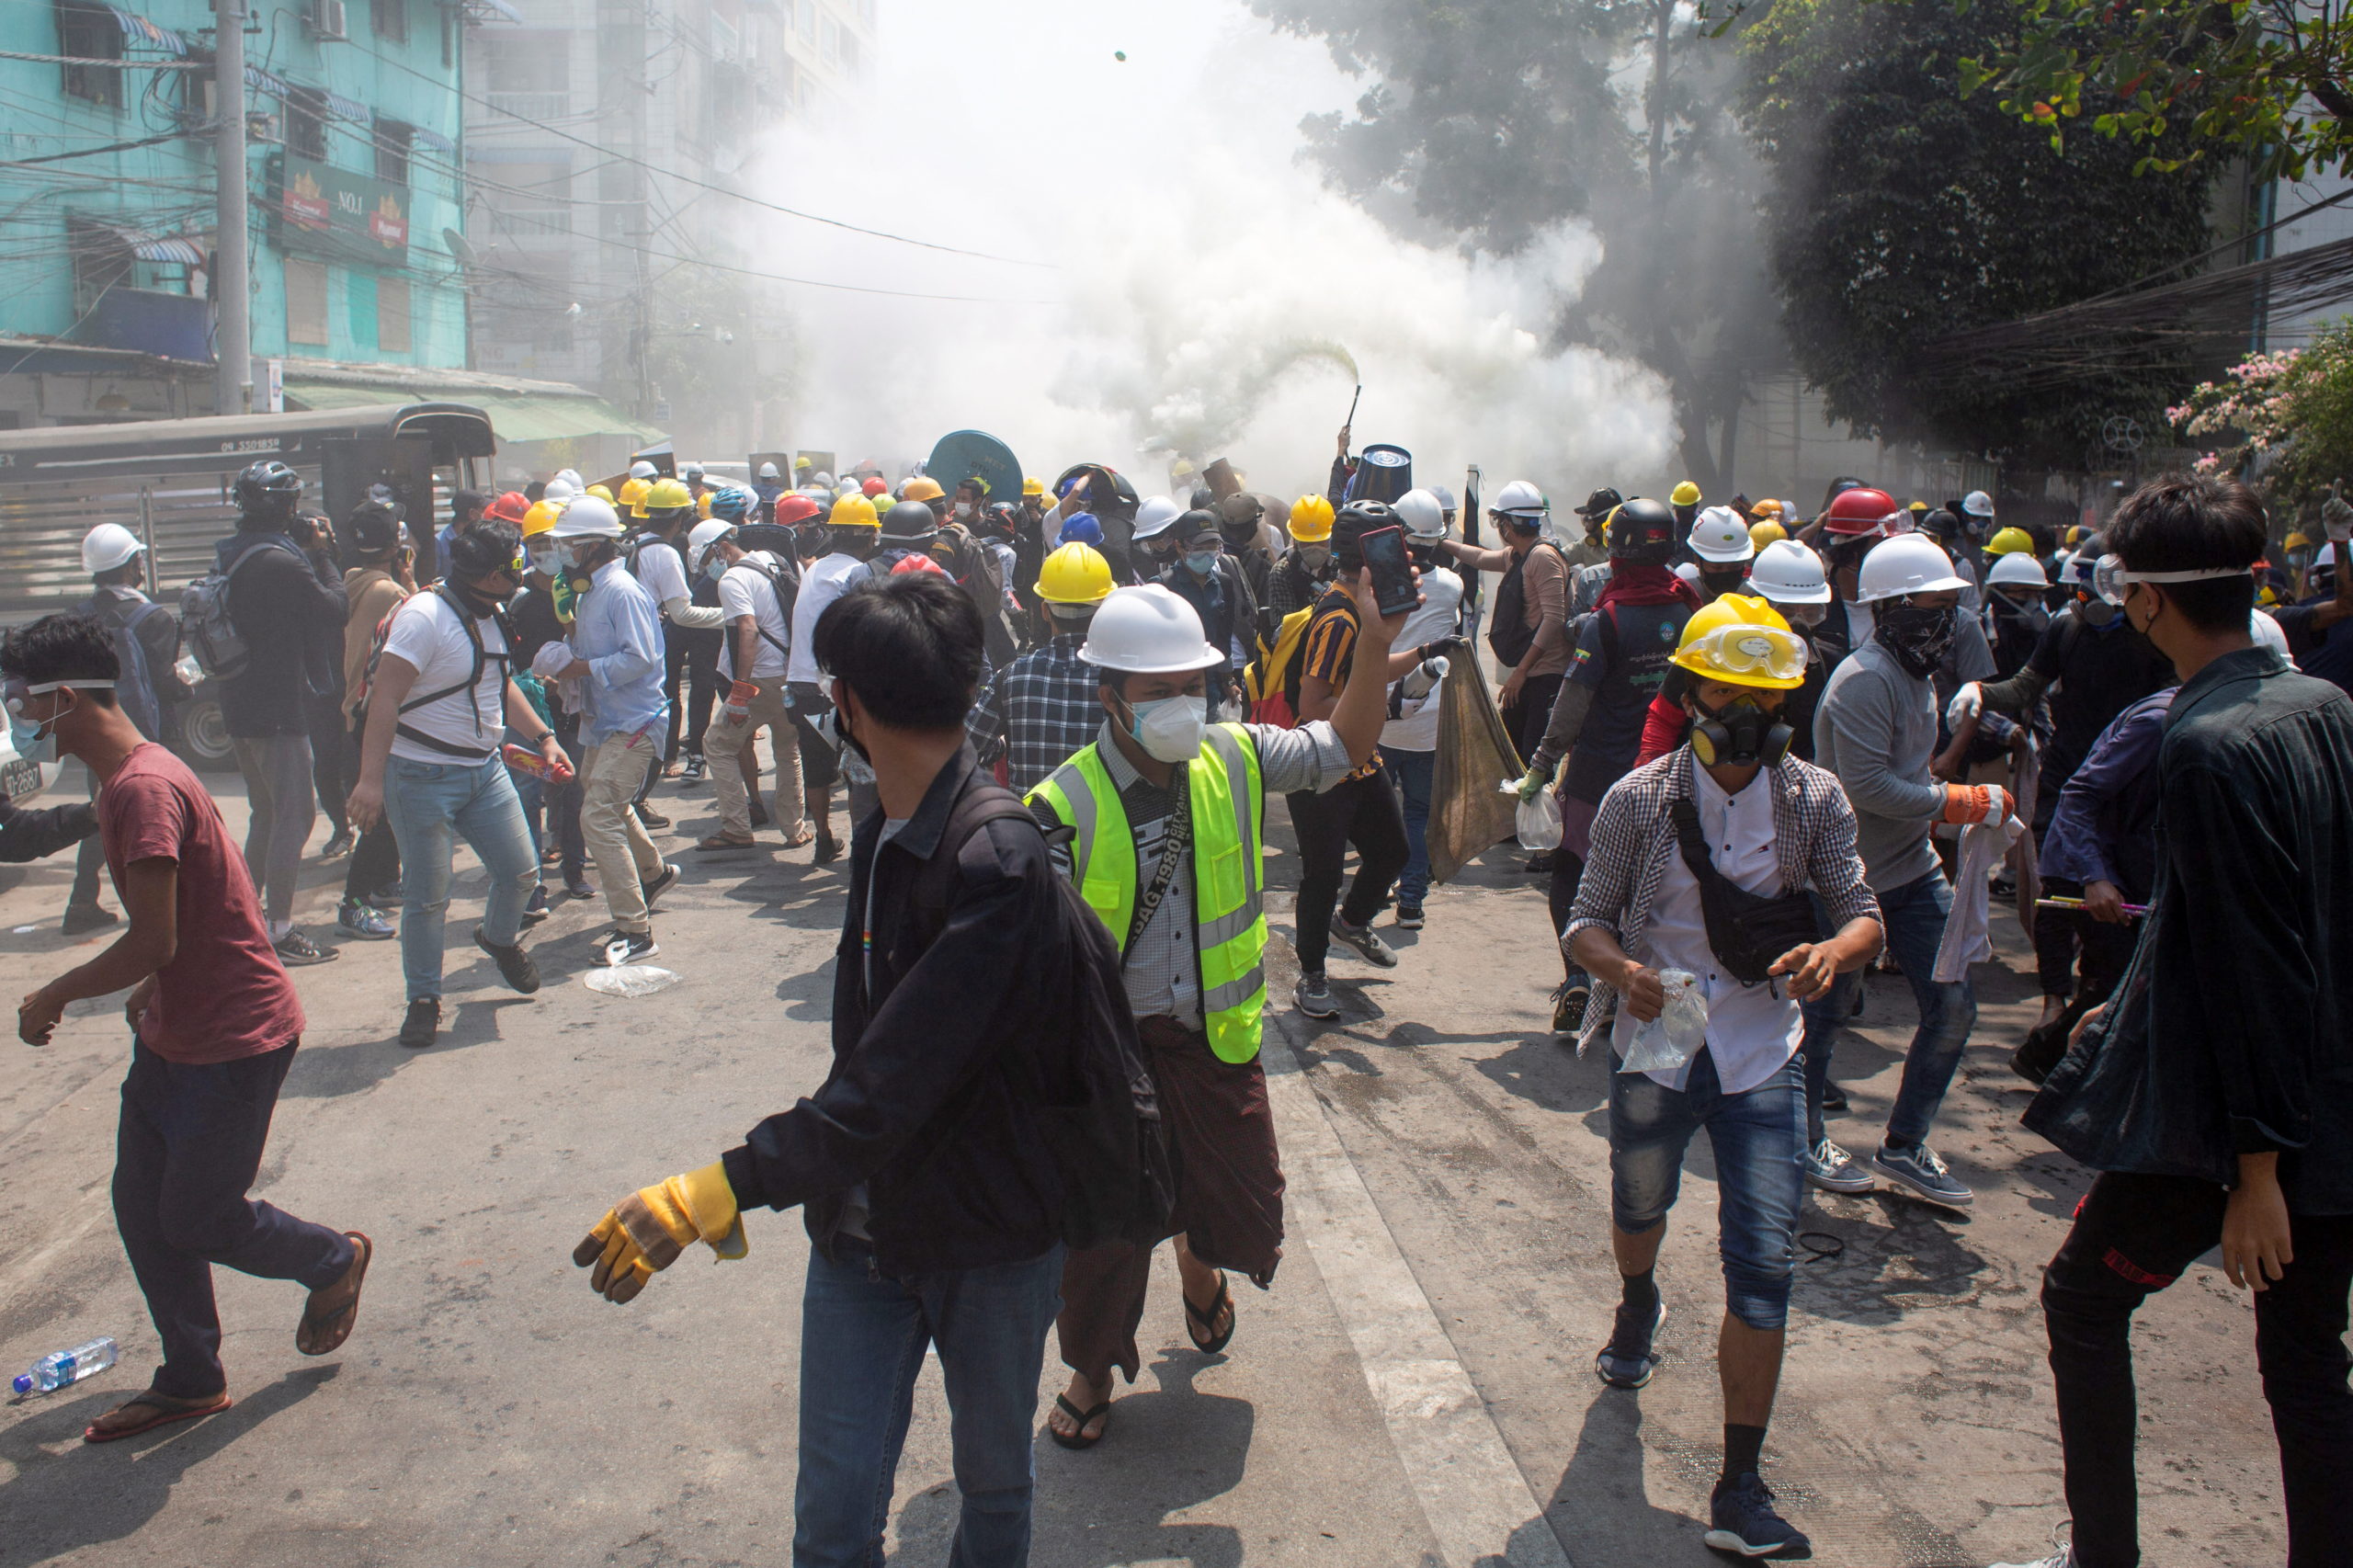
x=1741 y=734
x=1917 y=637
x=480 y=602
x=1239 y=537
x=841 y=729
x=1719 y=584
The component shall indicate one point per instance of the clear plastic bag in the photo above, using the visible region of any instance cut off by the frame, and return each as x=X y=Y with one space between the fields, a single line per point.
x=1672 y=1038
x=630 y=980
x=1539 y=821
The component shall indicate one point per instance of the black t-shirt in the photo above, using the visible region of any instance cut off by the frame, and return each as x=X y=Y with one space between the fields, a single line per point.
x=2097 y=673
x=1625 y=664
x=2327 y=655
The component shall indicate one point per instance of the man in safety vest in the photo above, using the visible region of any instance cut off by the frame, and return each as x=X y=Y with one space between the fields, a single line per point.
x=1162 y=824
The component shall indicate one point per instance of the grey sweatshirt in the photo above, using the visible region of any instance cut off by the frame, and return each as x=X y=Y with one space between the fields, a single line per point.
x=1876 y=729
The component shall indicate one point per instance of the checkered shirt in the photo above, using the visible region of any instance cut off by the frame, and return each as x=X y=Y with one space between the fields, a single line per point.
x=1039 y=711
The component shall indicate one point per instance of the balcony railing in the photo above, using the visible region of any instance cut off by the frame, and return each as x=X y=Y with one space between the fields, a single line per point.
x=532 y=106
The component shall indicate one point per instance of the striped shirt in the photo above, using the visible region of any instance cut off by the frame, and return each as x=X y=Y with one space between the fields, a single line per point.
x=1331 y=648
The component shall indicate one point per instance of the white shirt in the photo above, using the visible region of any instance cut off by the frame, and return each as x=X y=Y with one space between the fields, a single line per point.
x=827 y=580
x=744 y=591
x=427 y=634
x=1437 y=616
x=659 y=569
x=1752 y=1031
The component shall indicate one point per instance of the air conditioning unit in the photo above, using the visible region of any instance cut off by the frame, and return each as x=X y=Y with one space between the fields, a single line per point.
x=326 y=21
x=264 y=130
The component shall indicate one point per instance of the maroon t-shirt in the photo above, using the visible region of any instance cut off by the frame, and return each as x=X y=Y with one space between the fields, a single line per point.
x=224 y=995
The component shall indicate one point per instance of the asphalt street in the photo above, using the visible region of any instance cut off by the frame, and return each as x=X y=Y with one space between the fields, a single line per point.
x=1415 y=1389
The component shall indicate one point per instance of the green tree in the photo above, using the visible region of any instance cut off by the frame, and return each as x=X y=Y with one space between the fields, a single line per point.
x=1897 y=211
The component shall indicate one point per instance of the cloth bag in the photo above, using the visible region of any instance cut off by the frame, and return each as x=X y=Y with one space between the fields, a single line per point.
x=1467 y=816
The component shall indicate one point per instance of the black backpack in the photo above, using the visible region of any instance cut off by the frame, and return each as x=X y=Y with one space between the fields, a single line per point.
x=1507 y=631
x=135 y=690
x=1110 y=1145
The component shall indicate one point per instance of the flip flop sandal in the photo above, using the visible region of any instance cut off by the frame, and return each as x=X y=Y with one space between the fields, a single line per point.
x=800 y=842
x=719 y=841
x=168 y=1410
x=1078 y=1437
x=322 y=1332
x=1208 y=1320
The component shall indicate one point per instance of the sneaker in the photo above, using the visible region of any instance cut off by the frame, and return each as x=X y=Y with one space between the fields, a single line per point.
x=694 y=769
x=1919 y=1172
x=629 y=946
x=1360 y=938
x=1834 y=1099
x=1627 y=1361
x=1568 y=1007
x=81 y=917
x=422 y=1020
x=1833 y=1169
x=515 y=965
x=536 y=909
x=338 y=846
x=1741 y=1521
x=578 y=887
x=1409 y=916
x=295 y=949
x=1313 y=996
x=651 y=818
x=661 y=885
x=386 y=897
x=356 y=917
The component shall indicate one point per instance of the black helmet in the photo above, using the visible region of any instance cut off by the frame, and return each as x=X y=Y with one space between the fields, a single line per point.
x=267 y=486
x=484 y=548
x=910 y=521
x=1599 y=505
x=1642 y=529
x=1354 y=520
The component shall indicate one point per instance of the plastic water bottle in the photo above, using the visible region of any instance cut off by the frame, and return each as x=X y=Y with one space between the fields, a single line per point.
x=61 y=1367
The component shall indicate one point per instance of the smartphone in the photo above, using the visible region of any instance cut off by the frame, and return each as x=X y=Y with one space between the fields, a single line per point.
x=1393 y=576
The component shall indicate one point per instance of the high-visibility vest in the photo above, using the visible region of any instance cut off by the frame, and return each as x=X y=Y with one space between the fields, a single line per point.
x=1229 y=871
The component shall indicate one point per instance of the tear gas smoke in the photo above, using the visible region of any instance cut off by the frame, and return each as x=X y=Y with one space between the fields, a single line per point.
x=1205 y=295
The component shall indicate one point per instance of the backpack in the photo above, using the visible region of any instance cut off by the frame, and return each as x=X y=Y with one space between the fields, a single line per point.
x=474 y=676
x=1110 y=1145
x=1271 y=681
x=206 y=624
x=981 y=576
x=1507 y=631
x=134 y=687
x=787 y=590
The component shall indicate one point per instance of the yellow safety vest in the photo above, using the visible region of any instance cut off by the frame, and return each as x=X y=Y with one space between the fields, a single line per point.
x=1229 y=842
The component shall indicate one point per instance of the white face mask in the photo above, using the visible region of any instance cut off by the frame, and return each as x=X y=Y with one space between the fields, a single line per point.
x=963 y=511
x=1170 y=728
x=546 y=562
x=714 y=568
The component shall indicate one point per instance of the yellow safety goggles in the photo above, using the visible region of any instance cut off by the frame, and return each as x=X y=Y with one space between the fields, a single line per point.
x=1747 y=655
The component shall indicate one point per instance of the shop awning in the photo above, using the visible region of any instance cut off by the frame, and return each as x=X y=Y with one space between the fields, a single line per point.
x=138 y=31
x=432 y=139
x=350 y=109
x=515 y=415
x=185 y=250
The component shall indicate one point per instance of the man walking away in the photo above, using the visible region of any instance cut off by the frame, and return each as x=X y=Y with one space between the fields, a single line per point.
x=214 y=1025
x=287 y=602
x=1409 y=740
x=1042 y=709
x=852 y=535
x=933 y=1205
x=385 y=576
x=147 y=642
x=431 y=765
x=2214 y=1094
x=755 y=594
x=1529 y=630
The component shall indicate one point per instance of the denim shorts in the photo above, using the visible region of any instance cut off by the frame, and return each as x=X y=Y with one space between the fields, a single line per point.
x=1759 y=1141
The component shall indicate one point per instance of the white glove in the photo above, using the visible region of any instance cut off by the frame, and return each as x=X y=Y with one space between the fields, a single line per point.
x=552 y=660
x=1966 y=704
x=2336 y=516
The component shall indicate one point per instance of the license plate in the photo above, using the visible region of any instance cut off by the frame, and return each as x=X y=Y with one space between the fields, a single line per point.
x=18 y=776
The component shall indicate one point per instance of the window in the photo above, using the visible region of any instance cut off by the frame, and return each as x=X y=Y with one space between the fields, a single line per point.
x=391 y=150
x=805 y=13
x=392 y=316
x=528 y=73
x=91 y=32
x=866 y=14
x=306 y=123
x=306 y=302
x=388 y=20
x=102 y=262
x=832 y=41
x=849 y=51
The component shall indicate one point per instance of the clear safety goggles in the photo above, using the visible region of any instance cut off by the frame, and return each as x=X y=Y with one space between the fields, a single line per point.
x=1748 y=650
x=2110 y=579
x=13 y=692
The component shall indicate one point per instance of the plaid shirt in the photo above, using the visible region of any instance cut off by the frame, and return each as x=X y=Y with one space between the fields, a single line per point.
x=1040 y=710
x=1633 y=839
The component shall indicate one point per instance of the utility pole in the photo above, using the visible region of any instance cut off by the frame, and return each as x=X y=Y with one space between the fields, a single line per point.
x=231 y=286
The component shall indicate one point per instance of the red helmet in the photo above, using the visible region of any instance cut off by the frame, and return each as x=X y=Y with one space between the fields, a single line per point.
x=1860 y=513
x=874 y=485
x=915 y=564
x=507 y=508
x=796 y=508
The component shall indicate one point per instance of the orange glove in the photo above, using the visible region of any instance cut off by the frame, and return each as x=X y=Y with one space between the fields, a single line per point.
x=1976 y=803
x=739 y=701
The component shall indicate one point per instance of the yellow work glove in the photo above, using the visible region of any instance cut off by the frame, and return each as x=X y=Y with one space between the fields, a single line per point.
x=646 y=1231
x=1531 y=784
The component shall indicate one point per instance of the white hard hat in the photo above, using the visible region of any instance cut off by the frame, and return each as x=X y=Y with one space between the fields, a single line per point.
x=641 y=469
x=2076 y=572
x=1687 y=572
x=1421 y=513
x=704 y=534
x=571 y=477
x=1445 y=498
x=690 y=469
x=2267 y=633
x=2018 y=569
x=1148 y=631
x=768 y=470
x=822 y=477
x=1787 y=573
x=1977 y=504
x=1908 y=564
x=585 y=516
x=1520 y=497
x=558 y=490
x=1155 y=517
x=108 y=546
x=2325 y=556
x=1718 y=535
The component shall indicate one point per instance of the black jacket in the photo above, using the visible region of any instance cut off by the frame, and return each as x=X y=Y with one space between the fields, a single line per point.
x=27 y=835
x=2233 y=1032
x=934 y=1097
x=290 y=608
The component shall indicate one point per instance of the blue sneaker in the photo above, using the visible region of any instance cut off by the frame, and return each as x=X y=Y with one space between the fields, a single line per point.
x=1627 y=1361
x=1918 y=1172
x=1741 y=1521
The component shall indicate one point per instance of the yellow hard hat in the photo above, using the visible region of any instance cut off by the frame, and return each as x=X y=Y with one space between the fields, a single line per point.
x=1684 y=494
x=603 y=493
x=1311 y=519
x=2010 y=541
x=921 y=488
x=1916 y=506
x=853 y=512
x=2295 y=542
x=1765 y=532
x=540 y=518
x=1742 y=641
x=665 y=494
x=1033 y=485
x=631 y=499
x=2075 y=536
x=1767 y=509
x=1074 y=575
x=703 y=505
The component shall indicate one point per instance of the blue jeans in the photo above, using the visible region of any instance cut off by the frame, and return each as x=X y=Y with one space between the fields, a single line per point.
x=1414 y=771
x=548 y=805
x=1914 y=916
x=1759 y=1180
x=430 y=804
x=862 y=1338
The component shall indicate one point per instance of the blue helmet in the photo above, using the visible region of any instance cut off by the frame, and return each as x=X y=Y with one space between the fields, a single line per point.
x=732 y=502
x=1081 y=529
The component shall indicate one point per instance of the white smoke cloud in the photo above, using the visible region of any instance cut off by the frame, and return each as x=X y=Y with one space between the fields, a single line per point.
x=1209 y=295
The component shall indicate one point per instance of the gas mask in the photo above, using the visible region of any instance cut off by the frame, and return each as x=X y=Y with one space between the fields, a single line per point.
x=1741 y=733
x=1315 y=557
x=1169 y=730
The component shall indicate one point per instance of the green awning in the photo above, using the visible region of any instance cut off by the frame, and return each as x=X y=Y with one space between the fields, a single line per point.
x=515 y=416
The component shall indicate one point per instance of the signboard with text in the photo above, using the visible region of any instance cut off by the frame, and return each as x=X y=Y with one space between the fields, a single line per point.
x=337 y=213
